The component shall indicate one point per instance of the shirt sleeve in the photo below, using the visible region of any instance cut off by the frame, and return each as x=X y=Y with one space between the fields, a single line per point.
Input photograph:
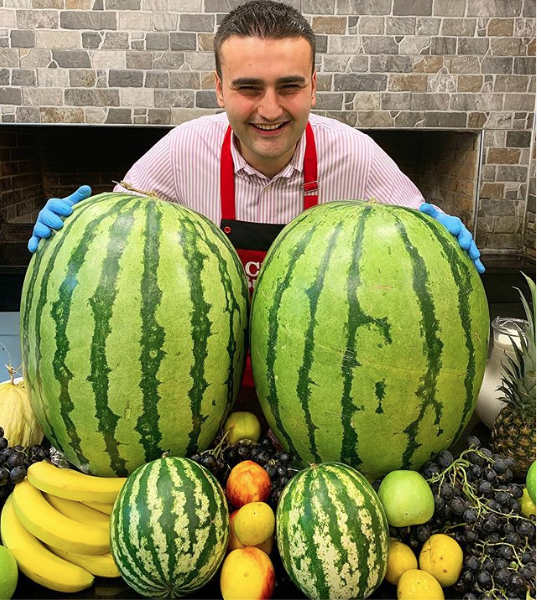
x=388 y=184
x=156 y=171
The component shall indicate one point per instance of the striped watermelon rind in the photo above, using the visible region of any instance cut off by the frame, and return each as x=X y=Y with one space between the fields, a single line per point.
x=332 y=533
x=133 y=325
x=369 y=335
x=169 y=528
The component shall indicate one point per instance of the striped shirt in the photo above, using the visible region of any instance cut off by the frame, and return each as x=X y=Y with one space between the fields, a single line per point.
x=184 y=167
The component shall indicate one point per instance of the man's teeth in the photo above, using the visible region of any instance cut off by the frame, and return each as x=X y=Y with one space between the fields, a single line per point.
x=268 y=127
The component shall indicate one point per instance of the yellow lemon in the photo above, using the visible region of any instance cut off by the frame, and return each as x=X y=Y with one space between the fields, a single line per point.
x=254 y=523
x=418 y=585
x=400 y=559
x=441 y=556
x=527 y=505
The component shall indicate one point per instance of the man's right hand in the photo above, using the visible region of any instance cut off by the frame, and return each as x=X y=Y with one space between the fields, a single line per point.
x=49 y=217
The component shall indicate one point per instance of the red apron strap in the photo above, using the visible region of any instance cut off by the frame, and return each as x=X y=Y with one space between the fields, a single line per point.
x=311 y=185
x=227 y=179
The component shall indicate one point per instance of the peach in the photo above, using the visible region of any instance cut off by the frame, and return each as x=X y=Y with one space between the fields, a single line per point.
x=247 y=573
x=235 y=543
x=247 y=482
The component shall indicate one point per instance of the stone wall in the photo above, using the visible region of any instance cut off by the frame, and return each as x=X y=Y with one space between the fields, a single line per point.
x=382 y=64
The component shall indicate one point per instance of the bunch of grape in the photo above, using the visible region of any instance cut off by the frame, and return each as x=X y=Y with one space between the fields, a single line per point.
x=14 y=462
x=478 y=504
x=266 y=452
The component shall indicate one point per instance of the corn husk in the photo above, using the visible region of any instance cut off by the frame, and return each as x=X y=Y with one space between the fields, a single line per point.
x=17 y=417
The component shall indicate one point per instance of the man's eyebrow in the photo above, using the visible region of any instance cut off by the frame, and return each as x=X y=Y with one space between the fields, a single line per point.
x=256 y=81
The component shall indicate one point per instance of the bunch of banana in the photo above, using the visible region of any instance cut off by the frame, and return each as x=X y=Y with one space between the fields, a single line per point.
x=57 y=525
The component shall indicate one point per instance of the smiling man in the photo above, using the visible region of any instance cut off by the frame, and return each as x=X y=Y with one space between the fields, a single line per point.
x=254 y=167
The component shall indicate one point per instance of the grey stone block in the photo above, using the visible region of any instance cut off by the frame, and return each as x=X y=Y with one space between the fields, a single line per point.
x=159 y=116
x=190 y=22
x=182 y=41
x=206 y=99
x=115 y=40
x=400 y=25
x=429 y=101
x=37 y=19
x=459 y=27
x=518 y=139
x=22 y=38
x=519 y=102
x=10 y=95
x=528 y=10
x=140 y=60
x=363 y=7
x=329 y=101
x=123 y=4
x=391 y=64
x=91 y=39
x=472 y=46
x=28 y=114
x=157 y=79
x=413 y=7
x=360 y=83
x=125 y=78
x=321 y=44
x=494 y=8
x=427 y=26
x=176 y=98
x=318 y=7
x=524 y=65
x=449 y=8
x=4 y=77
x=444 y=45
x=185 y=80
x=80 y=20
x=157 y=41
x=395 y=101
x=470 y=102
x=24 y=77
x=71 y=59
x=81 y=97
x=82 y=78
x=379 y=45
x=511 y=173
x=444 y=119
x=511 y=83
x=119 y=116
x=495 y=64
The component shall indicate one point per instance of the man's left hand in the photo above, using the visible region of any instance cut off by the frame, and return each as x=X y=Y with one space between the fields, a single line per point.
x=455 y=226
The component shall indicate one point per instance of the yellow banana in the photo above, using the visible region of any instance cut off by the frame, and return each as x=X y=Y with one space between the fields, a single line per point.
x=104 y=508
x=37 y=562
x=79 y=512
x=74 y=485
x=51 y=527
x=101 y=565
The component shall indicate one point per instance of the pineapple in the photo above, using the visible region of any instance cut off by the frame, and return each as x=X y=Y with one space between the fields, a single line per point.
x=513 y=433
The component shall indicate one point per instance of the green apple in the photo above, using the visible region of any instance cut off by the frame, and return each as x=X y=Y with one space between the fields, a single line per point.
x=407 y=498
x=242 y=425
x=9 y=573
x=530 y=481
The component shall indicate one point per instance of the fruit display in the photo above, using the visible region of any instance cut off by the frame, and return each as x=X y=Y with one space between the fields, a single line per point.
x=368 y=322
x=58 y=543
x=169 y=528
x=133 y=323
x=513 y=432
x=478 y=509
x=332 y=533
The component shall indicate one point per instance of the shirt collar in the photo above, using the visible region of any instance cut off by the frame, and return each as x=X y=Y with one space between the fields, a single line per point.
x=296 y=165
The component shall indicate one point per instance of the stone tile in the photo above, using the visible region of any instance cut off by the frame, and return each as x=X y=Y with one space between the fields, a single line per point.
x=415 y=45
x=344 y=44
x=8 y=18
x=24 y=77
x=459 y=27
x=159 y=116
x=407 y=83
x=119 y=115
x=334 y=25
x=157 y=79
x=10 y=95
x=82 y=78
x=357 y=63
x=499 y=156
x=512 y=173
x=81 y=97
x=428 y=64
x=511 y=83
x=442 y=83
x=395 y=101
x=449 y=8
x=187 y=5
x=125 y=78
x=391 y=64
x=200 y=61
x=136 y=97
x=36 y=19
x=206 y=99
x=373 y=119
x=191 y=22
x=22 y=38
x=476 y=120
x=91 y=39
x=498 y=65
x=507 y=47
x=71 y=59
x=444 y=45
x=494 y=8
x=379 y=45
x=413 y=7
x=427 y=26
x=28 y=114
x=55 y=78
x=371 y=25
x=51 y=114
x=524 y=65
x=359 y=82
x=134 y=21
x=35 y=57
x=42 y=97
x=5 y=77
x=157 y=41
x=176 y=98
x=500 y=27
x=165 y=21
x=429 y=102
x=469 y=83
x=205 y=41
x=363 y=7
x=492 y=191
x=123 y=4
x=9 y=57
x=318 y=7
x=471 y=102
x=140 y=60
x=51 y=40
x=400 y=25
x=524 y=28
x=94 y=20
x=519 y=102
x=182 y=41
x=518 y=139
x=329 y=101
x=115 y=40
x=363 y=101
x=185 y=80
x=472 y=46
x=444 y=119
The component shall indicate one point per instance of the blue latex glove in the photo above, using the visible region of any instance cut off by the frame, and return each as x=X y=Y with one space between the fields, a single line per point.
x=456 y=227
x=49 y=217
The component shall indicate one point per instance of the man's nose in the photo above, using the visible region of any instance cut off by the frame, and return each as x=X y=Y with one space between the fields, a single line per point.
x=269 y=107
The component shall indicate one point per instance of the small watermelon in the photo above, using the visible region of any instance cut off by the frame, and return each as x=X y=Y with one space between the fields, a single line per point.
x=332 y=533
x=133 y=325
x=169 y=528
x=369 y=337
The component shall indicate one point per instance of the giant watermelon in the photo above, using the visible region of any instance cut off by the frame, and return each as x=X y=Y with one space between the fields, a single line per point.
x=369 y=335
x=133 y=322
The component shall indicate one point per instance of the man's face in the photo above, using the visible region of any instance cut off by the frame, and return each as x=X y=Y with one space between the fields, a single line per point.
x=267 y=89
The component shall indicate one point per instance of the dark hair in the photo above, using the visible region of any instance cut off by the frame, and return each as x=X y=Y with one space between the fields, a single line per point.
x=263 y=19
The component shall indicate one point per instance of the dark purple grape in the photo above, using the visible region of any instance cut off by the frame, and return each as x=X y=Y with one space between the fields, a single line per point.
x=4 y=476
x=17 y=474
x=3 y=443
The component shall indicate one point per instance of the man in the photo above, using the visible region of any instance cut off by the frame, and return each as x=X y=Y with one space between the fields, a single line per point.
x=254 y=167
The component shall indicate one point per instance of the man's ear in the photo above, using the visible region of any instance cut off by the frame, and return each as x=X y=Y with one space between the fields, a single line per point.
x=219 y=90
x=314 y=88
